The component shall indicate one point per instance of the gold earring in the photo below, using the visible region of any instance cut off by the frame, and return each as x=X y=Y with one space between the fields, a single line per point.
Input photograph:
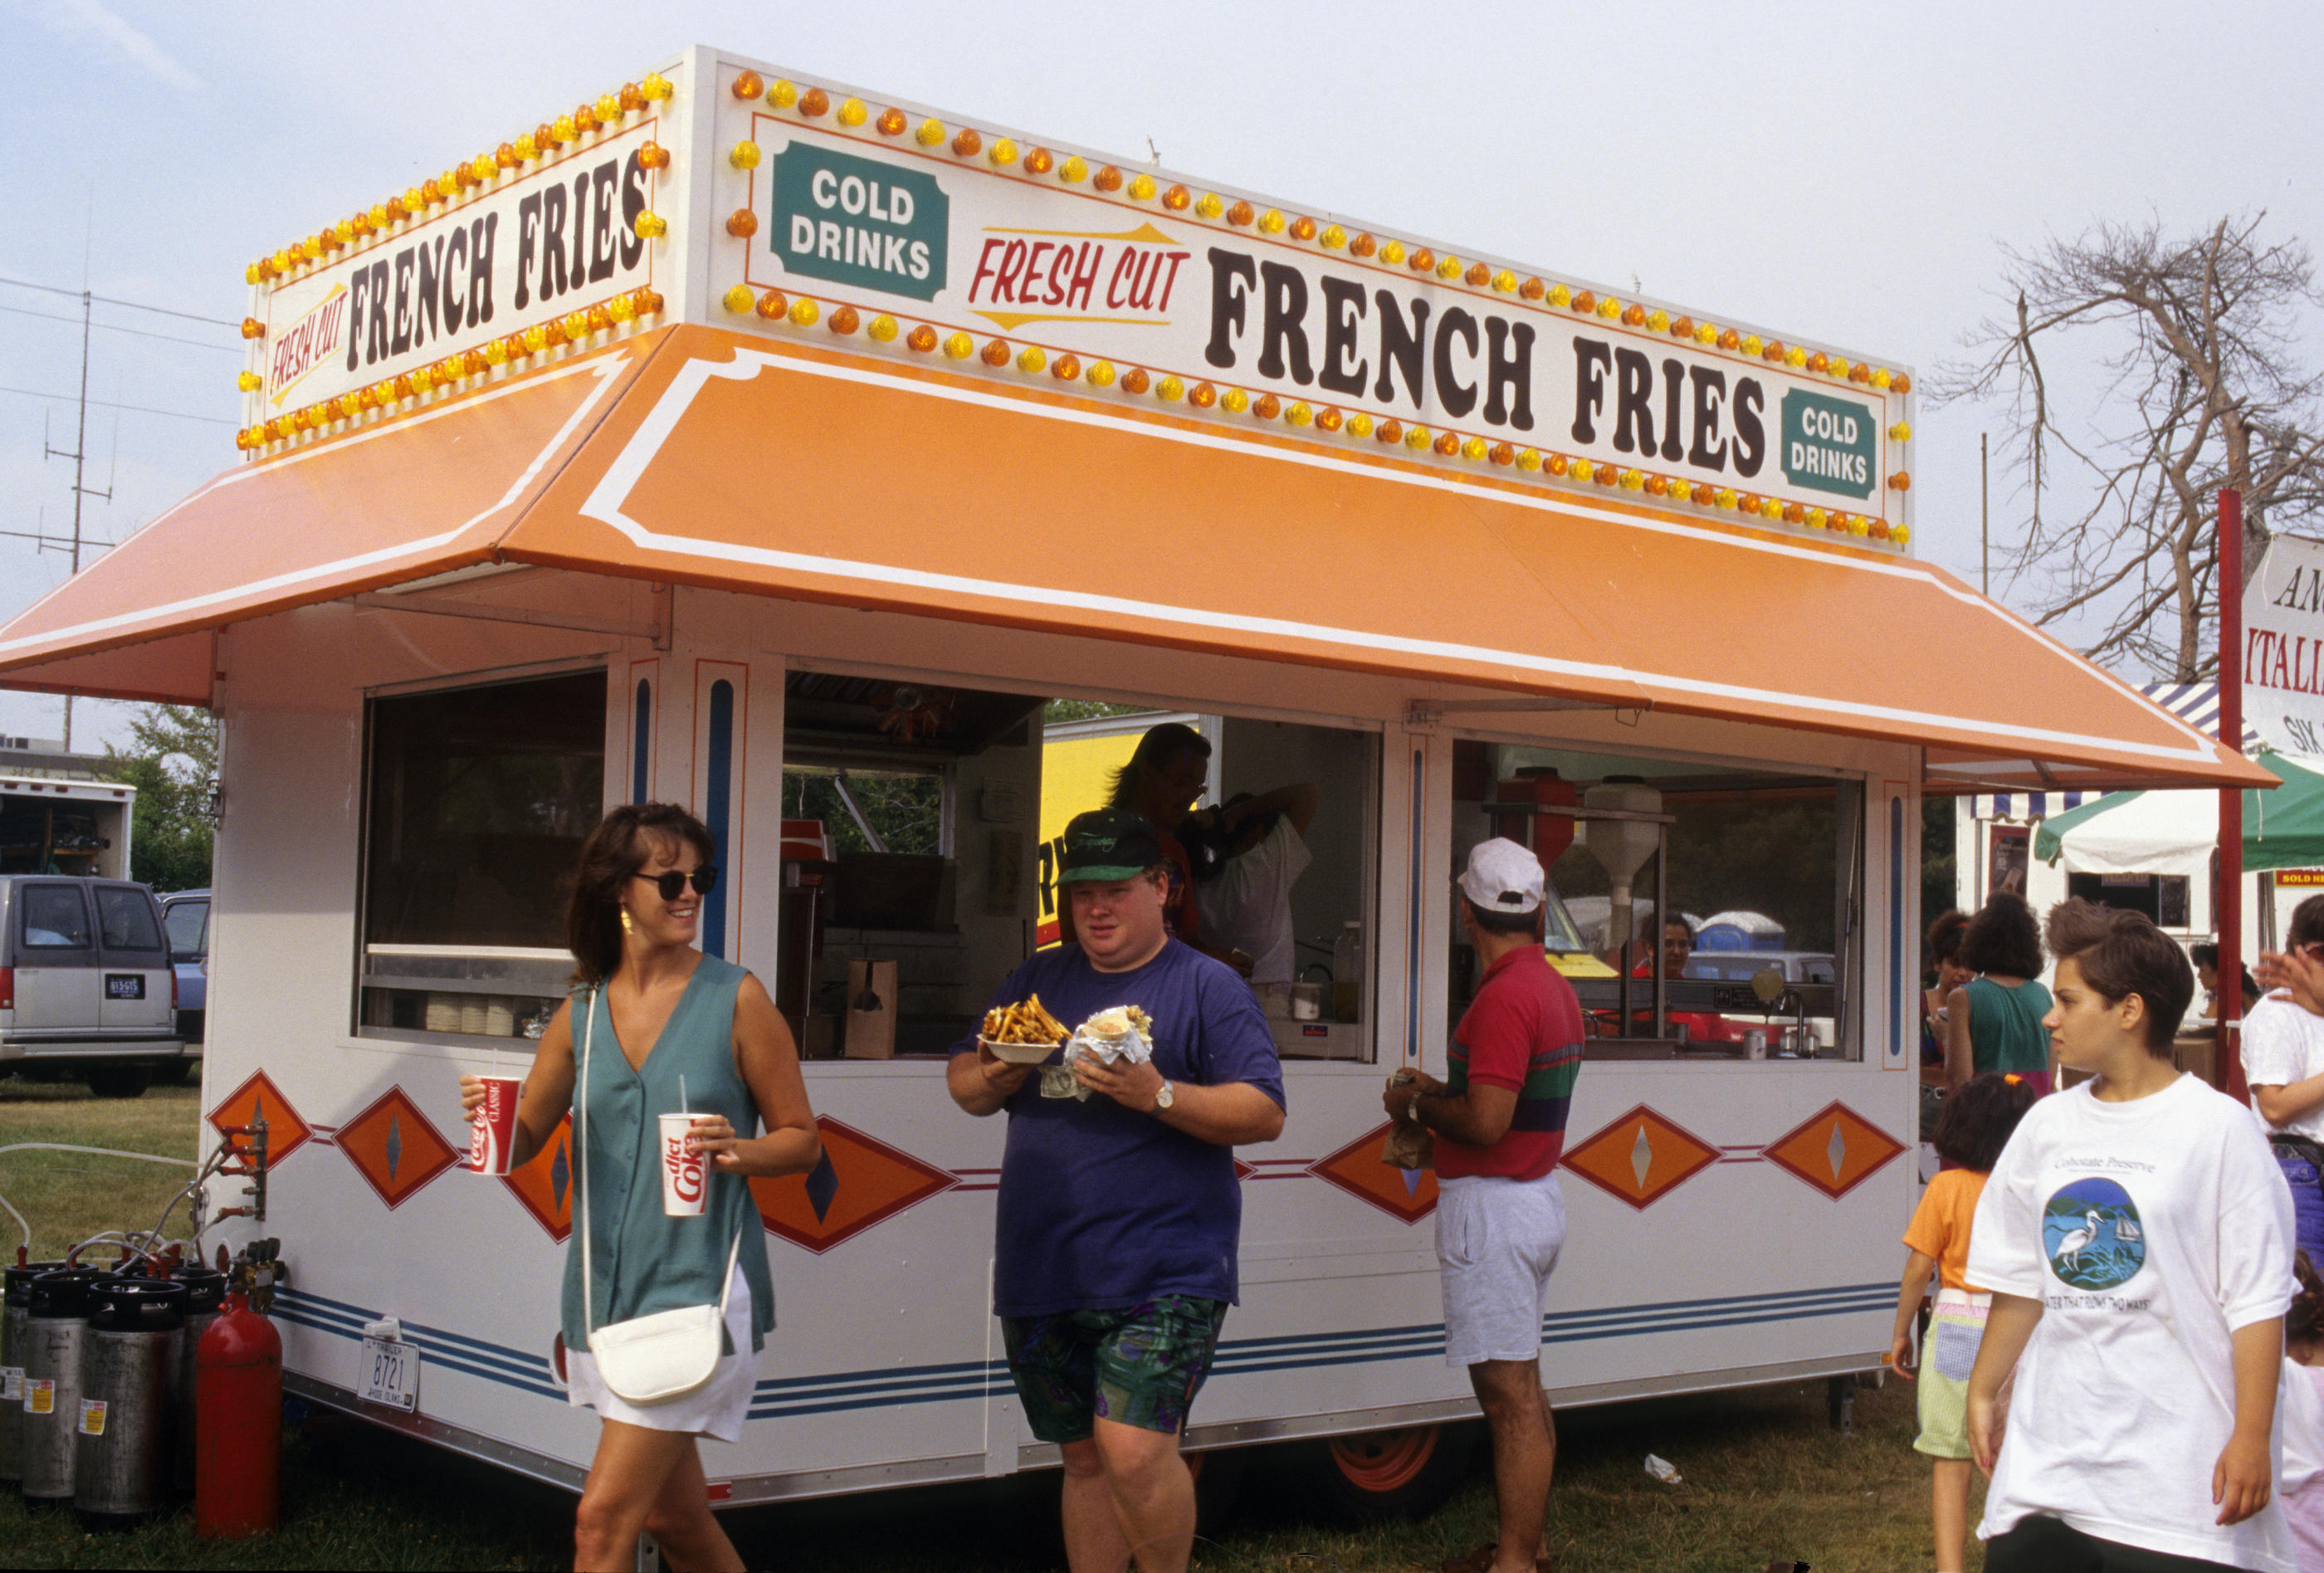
x=627 y=926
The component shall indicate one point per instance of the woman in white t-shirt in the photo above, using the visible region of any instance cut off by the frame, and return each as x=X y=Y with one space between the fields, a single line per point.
x=2283 y=1065
x=2136 y=1237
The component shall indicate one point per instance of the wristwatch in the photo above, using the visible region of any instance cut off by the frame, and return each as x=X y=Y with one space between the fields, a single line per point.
x=1165 y=1097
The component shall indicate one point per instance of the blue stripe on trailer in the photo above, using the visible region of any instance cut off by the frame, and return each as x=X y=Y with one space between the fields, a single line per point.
x=717 y=791
x=780 y=1397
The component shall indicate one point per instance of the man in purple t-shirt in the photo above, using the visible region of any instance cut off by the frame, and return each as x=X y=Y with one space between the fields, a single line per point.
x=1119 y=1211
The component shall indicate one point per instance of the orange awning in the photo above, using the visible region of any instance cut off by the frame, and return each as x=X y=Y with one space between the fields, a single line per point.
x=704 y=457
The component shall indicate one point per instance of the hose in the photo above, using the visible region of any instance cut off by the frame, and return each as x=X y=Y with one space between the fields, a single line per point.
x=101 y=1153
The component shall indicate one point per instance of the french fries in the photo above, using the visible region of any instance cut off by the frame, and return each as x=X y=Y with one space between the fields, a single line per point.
x=1023 y=1022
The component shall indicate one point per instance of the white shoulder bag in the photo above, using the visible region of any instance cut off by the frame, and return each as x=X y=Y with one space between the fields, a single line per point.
x=650 y=1359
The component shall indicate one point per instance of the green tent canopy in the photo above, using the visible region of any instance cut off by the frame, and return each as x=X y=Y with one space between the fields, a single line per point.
x=2176 y=831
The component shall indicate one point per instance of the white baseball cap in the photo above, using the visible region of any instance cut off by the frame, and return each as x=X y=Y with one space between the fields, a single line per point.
x=1502 y=877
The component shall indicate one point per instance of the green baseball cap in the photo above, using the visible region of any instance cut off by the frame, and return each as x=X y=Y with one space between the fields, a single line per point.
x=1110 y=844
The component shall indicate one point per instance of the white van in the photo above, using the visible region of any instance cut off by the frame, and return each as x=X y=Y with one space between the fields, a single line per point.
x=86 y=986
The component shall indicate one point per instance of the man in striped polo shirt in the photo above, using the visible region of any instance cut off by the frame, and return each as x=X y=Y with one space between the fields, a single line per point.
x=1499 y=1127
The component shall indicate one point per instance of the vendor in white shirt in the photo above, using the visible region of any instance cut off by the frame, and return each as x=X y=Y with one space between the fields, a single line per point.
x=1246 y=901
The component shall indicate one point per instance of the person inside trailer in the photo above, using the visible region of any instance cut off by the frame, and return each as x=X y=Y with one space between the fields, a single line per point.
x=1245 y=896
x=1119 y=1216
x=1678 y=949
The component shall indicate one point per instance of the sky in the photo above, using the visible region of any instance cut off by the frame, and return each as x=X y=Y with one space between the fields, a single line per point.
x=1845 y=173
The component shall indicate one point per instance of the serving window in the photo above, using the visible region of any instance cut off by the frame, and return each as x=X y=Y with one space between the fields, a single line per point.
x=476 y=802
x=923 y=833
x=1699 y=910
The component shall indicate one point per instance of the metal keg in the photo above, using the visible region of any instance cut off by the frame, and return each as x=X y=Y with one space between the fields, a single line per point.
x=55 y=1330
x=15 y=1336
x=205 y=1294
x=128 y=1372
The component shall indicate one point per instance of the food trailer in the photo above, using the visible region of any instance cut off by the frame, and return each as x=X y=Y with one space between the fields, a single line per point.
x=737 y=435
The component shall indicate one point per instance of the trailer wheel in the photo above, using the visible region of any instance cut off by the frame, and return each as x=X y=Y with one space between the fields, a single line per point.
x=1404 y=1472
x=120 y=1080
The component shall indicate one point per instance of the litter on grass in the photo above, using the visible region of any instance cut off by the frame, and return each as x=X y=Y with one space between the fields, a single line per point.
x=1663 y=1470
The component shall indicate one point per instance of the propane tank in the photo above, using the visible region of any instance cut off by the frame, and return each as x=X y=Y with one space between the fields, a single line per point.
x=129 y=1357
x=15 y=1338
x=238 y=1422
x=57 y=1326
x=204 y=1294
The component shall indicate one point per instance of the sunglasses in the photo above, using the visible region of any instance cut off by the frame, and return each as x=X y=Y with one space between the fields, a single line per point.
x=670 y=884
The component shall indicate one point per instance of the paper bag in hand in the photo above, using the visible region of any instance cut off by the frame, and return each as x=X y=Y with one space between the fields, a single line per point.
x=1410 y=1144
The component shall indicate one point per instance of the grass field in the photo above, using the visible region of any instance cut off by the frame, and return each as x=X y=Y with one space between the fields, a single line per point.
x=1766 y=1477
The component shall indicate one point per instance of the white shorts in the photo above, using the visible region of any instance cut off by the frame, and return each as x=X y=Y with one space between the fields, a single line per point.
x=1497 y=1244
x=715 y=1408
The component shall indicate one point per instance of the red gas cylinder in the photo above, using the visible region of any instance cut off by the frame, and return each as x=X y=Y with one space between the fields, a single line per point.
x=1549 y=835
x=238 y=1424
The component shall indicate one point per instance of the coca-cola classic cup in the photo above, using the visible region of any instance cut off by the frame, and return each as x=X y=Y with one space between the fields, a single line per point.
x=684 y=1181
x=491 y=1130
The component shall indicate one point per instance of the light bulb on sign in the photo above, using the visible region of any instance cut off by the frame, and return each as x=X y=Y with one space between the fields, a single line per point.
x=960 y=347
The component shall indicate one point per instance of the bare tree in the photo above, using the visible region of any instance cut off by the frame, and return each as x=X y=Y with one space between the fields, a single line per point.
x=2205 y=386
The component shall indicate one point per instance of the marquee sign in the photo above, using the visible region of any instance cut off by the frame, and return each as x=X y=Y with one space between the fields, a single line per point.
x=551 y=239
x=786 y=208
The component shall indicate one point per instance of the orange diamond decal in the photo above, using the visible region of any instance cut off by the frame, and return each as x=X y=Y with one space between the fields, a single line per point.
x=545 y=1186
x=394 y=1148
x=259 y=1098
x=859 y=1181
x=1408 y=1195
x=1836 y=1150
x=1641 y=1157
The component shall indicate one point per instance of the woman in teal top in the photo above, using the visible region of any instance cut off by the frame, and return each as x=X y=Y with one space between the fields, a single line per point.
x=651 y=1009
x=1993 y=1023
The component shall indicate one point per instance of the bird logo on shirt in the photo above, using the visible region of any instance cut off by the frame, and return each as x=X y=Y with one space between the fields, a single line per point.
x=2091 y=1232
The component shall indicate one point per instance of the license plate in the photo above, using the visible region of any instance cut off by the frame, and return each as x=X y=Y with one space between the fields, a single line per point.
x=391 y=1372
x=125 y=986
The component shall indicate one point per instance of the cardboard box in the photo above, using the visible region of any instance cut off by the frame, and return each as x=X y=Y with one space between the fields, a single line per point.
x=870 y=1032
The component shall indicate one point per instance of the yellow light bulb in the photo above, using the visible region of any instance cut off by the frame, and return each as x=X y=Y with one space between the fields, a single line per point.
x=1839 y=367
x=1558 y=295
x=1416 y=439
x=1272 y=221
x=804 y=311
x=1392 y=252
x=620 y=308
x=1751 y=344
x=1299 y=414
x=1142 y=188
x=1209 y=204
x=1359 y=425
x=651 y=225
x=1795 y=357
x=739 y=300
x=882 y=329
x=1170 y=389
x=655 y=87
x=1528 y=459
x=495 y=352
x=1901 y=432
x=931 y=134
x=1706 y=334
x=1505 y=282
x=1333 y=237
x=1609 y=308
x=959 y=346
x=1031 y=359
x=1100 y=373
x=1901 y=534
x=1474 y=449
x=526 y=148
x=1073 y=170
x=249 y=381
x=1234 y=401
x=564 y=129
x=1003 y=153
x=1450 y=268
x=743 y=156
x=609 y=108
x=851 y=113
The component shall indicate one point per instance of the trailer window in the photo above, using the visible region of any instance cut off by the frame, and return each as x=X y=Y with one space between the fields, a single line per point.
x=477 y=801
x=1738 y=887
x=923 y=830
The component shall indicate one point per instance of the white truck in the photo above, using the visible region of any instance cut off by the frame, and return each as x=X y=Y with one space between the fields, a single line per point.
x=57 y=824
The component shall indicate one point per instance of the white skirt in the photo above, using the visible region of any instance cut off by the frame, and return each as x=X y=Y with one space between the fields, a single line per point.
x=715 y=1408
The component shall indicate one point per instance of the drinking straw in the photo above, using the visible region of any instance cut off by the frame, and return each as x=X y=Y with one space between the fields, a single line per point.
x=681 y=1093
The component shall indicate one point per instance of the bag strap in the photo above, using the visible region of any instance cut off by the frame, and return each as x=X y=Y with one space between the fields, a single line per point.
x=581 y=1168
x=588 y=1274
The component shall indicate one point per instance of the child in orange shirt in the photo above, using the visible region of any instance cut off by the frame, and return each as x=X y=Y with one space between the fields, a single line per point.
x=1972 y=1131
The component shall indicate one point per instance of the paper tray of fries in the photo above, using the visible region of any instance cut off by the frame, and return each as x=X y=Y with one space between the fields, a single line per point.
x=1023 y=1033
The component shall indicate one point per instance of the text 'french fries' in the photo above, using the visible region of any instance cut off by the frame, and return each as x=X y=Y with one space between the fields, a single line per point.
x=1023 y=1022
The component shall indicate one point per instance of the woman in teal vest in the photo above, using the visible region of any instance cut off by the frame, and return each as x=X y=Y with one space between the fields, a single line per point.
x=1993 y=1023
x=651 y=1009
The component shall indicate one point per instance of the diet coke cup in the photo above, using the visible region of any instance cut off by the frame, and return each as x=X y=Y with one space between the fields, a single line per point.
x=492 y=1131
x=685 y=1186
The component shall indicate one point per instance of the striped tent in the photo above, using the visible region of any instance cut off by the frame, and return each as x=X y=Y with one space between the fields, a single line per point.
x=2197 y=704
